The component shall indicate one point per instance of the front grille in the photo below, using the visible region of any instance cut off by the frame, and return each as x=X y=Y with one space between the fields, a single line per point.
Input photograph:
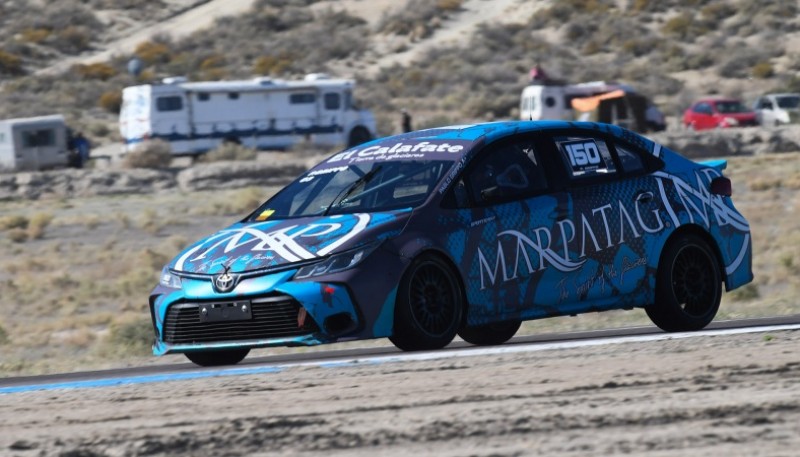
x=273 y=317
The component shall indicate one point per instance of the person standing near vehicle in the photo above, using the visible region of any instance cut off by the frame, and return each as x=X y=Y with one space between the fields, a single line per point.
x=406 y=121
x=82 y=148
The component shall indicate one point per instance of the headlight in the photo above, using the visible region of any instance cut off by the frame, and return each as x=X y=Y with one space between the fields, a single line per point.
x=337 y=262
x=169 y=279
x=731 y=122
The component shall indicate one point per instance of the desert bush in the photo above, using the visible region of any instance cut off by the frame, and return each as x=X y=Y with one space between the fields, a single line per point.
x=153 y=154
x=10 y=64
x=4 y=339
x=449 y=5
x=101 y=71
x=417 y=19
x=111 y=101
x=99 y=129
x=35 y=35
x=17 y=235
x=228 y=151
x=14 y=221
x=747 y=292
x=763 y=70
x=152 y=52
x=273 y=64
x=129 y=335
x=739 y=64
x=72 y=40
x=38 y=224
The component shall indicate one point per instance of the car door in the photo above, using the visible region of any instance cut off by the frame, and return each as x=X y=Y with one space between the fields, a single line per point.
x=614 y=219
x=703 y=116
x=506 y=213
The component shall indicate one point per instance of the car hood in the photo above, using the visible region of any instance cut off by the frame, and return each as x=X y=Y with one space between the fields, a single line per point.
x=247 y=246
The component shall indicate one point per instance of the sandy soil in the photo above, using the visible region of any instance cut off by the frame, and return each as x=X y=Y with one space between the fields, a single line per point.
x=703 y=396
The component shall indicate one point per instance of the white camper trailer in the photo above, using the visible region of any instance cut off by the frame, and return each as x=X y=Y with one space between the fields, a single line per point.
x=33 y=143
x=262 y=113
x=601 y=101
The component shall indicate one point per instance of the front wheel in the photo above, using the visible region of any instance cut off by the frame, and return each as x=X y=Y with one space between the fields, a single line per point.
x=217 y=358
x=490 y=334
x=429 y=306
x=688 y=286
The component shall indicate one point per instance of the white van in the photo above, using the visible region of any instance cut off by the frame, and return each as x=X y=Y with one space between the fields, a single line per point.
x=776 y=109
x=600 y=101
x=262 y=113
x=33 y=143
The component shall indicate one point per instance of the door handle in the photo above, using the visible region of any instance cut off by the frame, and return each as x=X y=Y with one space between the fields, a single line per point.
x=643 y=196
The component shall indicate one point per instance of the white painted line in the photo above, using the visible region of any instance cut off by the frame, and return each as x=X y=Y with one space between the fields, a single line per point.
x=382 y=359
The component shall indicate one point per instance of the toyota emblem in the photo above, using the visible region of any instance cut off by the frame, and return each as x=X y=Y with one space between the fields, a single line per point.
x=225 y=282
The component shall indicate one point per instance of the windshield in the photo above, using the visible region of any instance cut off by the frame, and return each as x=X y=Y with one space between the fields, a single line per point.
x=731 y=106
x=789 y=102
x=353 y=188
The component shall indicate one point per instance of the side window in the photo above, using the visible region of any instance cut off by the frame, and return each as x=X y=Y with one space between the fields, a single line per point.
x=703 y=108
x=333 y=101
x=38 y=138
x=171 y=103
x=585 y=157
x=506 y=173
x=233 y=95
x=631 y=161
x=302 y=98
x=203 y=96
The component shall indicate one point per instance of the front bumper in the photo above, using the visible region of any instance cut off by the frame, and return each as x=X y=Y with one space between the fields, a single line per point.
x=279 y=312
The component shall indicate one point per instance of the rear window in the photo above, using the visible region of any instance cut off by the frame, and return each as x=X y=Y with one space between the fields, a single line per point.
x=585 y=157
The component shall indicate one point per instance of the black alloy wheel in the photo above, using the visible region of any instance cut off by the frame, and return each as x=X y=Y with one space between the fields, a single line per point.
x=429 y=306
x=688 y=286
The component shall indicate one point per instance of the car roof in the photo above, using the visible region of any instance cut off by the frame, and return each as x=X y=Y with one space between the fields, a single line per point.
x=491 y=131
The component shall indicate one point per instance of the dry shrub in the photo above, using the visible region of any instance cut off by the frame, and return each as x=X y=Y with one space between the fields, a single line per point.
x=38 y=224
x=153 y=154
x=228 y=151
x=101 y=71
x=4 y=339
x=111 y=101
x=35 y=35
x=129 y=335
x=10 y=64
x=273 y=65
x=14 y=221
x=152 y=52
x=17 y=235
x=449 y=5
x=73 y=40
x=763 y=70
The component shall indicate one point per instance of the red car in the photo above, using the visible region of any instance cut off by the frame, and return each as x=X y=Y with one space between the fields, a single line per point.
x=711 y=113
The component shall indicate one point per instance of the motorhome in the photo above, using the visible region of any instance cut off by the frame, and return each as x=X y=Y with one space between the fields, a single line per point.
x=33 y=143
x=262 y=113
x=600 y=101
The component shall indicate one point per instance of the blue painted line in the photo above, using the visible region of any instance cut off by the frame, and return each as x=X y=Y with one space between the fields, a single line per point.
x=399 y=358
x=140 y=379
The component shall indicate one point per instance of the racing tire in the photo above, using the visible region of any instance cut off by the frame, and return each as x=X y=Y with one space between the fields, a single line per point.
x=688 y=286
x=490 y=334
x=217 y=358
x=429 y=306
x=357 y=136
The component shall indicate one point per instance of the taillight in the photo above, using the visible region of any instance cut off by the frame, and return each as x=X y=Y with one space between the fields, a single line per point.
x=721 y=186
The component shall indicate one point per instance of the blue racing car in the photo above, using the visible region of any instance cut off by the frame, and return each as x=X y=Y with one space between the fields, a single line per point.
x=463 y=230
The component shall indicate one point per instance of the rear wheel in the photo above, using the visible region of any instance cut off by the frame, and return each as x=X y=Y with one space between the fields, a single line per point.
x=217 y=358
x=688 y=286
x=490 y=334
x=429 y=306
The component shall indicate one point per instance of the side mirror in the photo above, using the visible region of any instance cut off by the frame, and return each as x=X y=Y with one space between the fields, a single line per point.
x=721 y=186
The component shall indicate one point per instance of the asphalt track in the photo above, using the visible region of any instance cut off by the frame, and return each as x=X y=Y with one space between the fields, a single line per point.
x=333 y=358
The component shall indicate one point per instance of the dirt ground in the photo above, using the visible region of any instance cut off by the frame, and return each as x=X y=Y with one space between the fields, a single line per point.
x=734 y=395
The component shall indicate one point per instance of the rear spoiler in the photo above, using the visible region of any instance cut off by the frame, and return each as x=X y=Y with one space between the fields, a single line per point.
x=718 y=164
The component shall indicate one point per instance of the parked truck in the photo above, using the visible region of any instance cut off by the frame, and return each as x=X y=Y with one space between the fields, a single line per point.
x=599 y=101
x=34 y=143
x=262 y=113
